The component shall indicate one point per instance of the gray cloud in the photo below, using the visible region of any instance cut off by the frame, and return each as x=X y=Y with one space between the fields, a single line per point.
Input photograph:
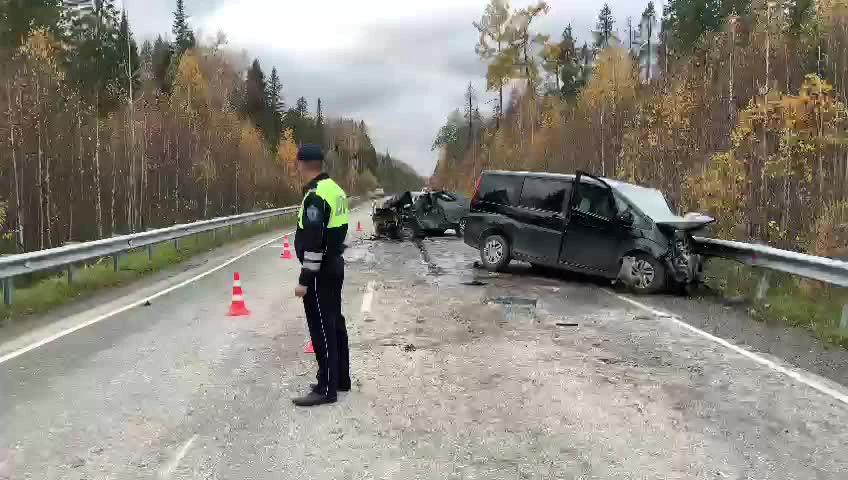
x=154 y=17
x=402 y=77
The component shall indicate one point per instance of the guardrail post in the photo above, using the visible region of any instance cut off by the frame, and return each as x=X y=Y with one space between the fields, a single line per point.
x=8 y=286
x=70 y=273
x=843 y=322
x=115 y=262
x=177 y=244
x=762 y=287
x=150 y=253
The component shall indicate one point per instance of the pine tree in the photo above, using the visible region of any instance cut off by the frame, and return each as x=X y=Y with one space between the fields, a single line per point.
x=256 y=100
x=183 y=35
x=800 y=13
x=686 y=21
x=275 y=92
x=604 y=27
x=319 y=124
x=570 y=65
x=301 y=108
x=161 y=64
x=273 y=126
x=98 y=66
x=19 y=17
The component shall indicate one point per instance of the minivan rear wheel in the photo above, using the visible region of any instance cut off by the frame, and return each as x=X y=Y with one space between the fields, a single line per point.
x=495 y=252
x=647 y=274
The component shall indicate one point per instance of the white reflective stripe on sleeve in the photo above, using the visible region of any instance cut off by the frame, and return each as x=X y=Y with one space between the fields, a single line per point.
x=312 y=266
x=313 y=256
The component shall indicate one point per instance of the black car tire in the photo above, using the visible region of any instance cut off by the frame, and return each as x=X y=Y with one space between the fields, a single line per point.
x=495 y=252
x=648 y=274
x=410 y=230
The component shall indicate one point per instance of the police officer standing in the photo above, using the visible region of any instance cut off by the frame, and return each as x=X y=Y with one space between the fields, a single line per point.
x=319 y=243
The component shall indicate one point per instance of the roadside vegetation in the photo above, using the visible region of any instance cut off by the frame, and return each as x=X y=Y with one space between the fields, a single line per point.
x=103 y=136
x=736 y=108
x=40 y=292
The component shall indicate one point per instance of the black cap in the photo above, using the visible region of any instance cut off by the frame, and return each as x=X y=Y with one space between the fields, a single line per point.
x=310 y=153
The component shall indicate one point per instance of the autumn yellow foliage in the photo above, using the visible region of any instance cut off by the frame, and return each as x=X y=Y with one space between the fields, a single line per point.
x=287 y=156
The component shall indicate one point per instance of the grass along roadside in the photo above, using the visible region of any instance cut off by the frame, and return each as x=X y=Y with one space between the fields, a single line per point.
x=789 y=300
x=55 y=290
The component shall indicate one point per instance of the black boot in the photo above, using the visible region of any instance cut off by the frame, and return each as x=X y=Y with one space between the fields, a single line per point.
x=312 y=399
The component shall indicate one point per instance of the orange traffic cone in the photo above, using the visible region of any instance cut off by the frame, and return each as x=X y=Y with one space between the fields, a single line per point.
x=358 y=226
x=237 y=307
x=309 y=348
x=286 y=249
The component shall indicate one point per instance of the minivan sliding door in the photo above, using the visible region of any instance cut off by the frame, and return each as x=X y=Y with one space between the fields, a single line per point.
x=591 y=236
x=541 y=219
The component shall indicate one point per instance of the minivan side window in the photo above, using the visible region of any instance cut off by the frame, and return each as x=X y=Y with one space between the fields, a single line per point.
x=593 y=199
x=500 y=189
x=545 y=194
x=638 y=220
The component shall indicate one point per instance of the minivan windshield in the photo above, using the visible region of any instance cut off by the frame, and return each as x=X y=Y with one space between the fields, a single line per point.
x=650 y=201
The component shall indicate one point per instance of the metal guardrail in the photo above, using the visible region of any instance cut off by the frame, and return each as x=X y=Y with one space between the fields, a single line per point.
x=54 y=258
x=824 y=269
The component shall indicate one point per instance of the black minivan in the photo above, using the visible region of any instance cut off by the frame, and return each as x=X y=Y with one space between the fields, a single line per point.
x=583 y=223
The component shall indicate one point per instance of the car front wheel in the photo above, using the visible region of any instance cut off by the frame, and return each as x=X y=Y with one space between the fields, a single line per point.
x=647 y=274
x=495 y=252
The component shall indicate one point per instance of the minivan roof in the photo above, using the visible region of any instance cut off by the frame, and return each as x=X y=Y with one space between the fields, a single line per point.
x=558 y=176
x=529 y=174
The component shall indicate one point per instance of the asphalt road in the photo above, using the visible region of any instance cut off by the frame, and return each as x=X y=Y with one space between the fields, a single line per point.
x=457 y=374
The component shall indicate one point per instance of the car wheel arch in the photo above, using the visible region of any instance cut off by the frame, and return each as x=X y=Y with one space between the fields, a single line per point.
x=496 y=231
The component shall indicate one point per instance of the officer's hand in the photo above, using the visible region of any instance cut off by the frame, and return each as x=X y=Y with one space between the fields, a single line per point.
x=299 y=291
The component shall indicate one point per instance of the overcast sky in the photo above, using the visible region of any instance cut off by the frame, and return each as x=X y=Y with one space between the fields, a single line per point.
x=402 y=66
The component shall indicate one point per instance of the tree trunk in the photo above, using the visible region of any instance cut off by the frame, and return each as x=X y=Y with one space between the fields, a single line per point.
x=177 y=180
x=13 y=147
x=142 y=194
x=48 y=201
x=79 y=159
x=114 y=181
x=500 y=97
x=97 y=187
x=40 y=157
x=129 y=194
x=98 y=208
x=603 y=140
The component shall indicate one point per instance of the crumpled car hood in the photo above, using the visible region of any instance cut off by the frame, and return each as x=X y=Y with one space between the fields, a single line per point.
x=688 y=222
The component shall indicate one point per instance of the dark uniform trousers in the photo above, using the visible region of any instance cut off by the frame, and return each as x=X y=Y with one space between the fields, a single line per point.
x=323 y=307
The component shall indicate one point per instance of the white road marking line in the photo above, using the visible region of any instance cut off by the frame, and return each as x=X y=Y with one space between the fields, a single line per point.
x=367 y=298
x=797 y=376
x=175 y=462
x=68 y=331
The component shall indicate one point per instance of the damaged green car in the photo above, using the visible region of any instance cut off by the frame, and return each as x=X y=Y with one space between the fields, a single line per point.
x=420 y=214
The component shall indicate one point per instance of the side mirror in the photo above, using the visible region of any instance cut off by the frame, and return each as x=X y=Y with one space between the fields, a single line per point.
x=625 y=218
